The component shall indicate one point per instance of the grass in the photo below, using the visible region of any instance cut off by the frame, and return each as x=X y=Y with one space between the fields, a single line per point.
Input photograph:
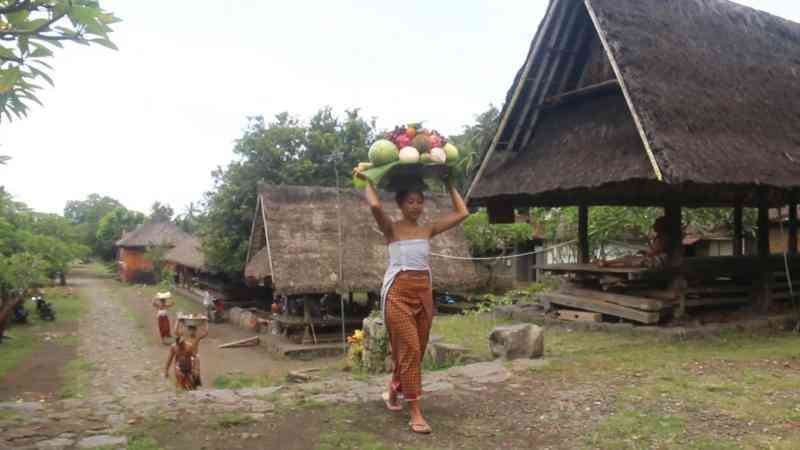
x=239 y=380
x=140 y=442
x=76 y=379
x=233 y=419
x=27 y=338
x=734 y=391
x=470 y=331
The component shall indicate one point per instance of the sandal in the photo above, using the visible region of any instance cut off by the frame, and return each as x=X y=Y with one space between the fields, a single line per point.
x=420 y=428
x=389 y=404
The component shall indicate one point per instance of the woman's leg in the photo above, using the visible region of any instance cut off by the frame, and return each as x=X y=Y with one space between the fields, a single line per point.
x=424 y=320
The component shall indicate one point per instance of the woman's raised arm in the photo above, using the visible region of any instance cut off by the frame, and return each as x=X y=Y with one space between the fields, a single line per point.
x=374 y=202
x=460 y=212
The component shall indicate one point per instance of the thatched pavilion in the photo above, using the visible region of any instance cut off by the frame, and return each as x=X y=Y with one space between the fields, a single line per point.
x=296 y=243
x=671 y=103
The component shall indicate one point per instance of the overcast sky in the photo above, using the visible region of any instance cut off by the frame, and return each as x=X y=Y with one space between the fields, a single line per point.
x=151 y=121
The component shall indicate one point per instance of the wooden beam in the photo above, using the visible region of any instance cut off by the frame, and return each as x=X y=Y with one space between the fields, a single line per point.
x=531 y=124
x=763 y=294
x=583 y=234
x=566 y=97
x=791 y=244
x=738 y=235
x=500 y=211
x=539 y=88
x=601 y=307
x=630 y=301
x=674 y=250
x=578 y=316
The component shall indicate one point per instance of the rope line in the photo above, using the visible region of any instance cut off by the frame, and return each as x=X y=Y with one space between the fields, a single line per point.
x=494 y=258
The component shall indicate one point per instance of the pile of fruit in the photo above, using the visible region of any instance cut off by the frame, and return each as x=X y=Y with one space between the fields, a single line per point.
x=407 y=145
x=411 y=144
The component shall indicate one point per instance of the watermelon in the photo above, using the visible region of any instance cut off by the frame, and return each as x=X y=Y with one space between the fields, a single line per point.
x=383 y=152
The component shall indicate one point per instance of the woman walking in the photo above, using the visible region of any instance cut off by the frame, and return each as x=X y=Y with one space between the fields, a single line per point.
x=161 y=305
x=407 y=295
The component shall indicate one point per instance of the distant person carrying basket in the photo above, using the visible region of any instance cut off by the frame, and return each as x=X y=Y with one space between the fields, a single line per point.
x=161 y=305
x=407 y=295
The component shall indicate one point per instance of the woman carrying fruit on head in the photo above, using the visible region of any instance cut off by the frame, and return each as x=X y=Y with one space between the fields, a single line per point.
x=406 y=295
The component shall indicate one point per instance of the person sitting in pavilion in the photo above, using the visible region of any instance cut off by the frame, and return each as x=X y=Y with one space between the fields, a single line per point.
x=654 y=257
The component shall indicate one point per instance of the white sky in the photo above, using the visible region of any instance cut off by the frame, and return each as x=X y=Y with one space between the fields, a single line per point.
x=151 y=121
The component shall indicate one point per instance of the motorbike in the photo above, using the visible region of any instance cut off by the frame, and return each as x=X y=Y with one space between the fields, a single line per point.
x=19 y=314
x=44 y=308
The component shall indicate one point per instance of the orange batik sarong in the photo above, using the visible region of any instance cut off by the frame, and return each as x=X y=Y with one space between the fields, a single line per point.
x=409 y=315
x=187 y=376
x=163 y=326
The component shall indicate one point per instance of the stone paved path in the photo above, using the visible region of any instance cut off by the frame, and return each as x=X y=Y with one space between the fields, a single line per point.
x=124 y=364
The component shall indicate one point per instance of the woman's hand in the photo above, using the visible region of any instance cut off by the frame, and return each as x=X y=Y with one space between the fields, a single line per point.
x=358 y=173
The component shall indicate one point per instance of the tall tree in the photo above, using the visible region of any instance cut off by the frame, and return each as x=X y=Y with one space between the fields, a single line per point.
x=284 y=151
x=86 y=214
x=29 y=31
x=161 y=212
x=112 y=226
x=473 y=143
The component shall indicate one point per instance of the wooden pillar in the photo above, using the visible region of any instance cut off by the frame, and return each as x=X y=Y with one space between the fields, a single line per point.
x=763 y=297
x=583 y=234
x=791 y=244
x=674 y=249
x=738 y=235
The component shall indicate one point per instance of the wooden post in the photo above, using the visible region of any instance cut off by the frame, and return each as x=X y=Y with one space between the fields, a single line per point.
x=763 y=298
x=791 y=244
x=583 y=234
x=738 y=234
x=674 y=249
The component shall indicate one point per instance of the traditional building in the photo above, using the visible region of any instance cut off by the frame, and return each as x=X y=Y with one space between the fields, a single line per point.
x=133 y=265
x=670 y=103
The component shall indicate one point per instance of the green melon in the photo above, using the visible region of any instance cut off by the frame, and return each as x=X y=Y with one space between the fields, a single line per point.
x=383 y=152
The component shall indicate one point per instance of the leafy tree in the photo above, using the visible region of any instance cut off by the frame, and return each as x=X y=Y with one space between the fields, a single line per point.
x=161 y=212
x=155 y=254
x=487 y=239
x=284 y=151
x=473 y=143
x=29 y=31
x=86 y=215
x=189 y=221
x=111 y=228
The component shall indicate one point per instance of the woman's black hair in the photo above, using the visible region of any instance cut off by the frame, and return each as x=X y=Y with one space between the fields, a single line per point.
x=401 y=196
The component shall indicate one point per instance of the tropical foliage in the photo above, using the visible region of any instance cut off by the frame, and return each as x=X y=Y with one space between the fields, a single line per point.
x=29 y=32
x=285 y=150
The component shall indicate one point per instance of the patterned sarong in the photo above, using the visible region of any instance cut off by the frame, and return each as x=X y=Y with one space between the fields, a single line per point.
x=409 y=315
x=186 y=373
x=163 y=326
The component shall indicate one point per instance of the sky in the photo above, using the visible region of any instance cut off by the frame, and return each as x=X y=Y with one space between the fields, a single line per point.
x=151 y=121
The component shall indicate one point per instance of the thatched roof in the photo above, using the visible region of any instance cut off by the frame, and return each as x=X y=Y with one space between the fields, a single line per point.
x=302 y=227
x=152 y=234
x=646 y=99
x=188 y=252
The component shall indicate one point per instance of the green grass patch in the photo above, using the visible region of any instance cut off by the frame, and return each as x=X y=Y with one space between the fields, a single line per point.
x=239 y=380
x=76 y=379
x=28 y=337
x=470 y=331
x=349 y=440
x=638 y=430
x=142 y=443
x=233 y=419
